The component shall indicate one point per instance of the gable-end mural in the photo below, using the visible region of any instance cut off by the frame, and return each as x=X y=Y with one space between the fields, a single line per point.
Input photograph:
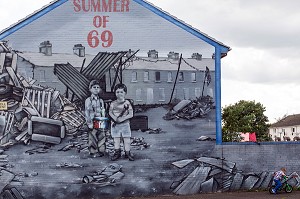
x=103 y=99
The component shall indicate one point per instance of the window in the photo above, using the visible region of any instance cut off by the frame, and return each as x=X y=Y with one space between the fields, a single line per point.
x=157 y=76
x=146 y=76
x=193 y=77
x=180 y=77
x=42 y=76
x=134 y=76
x=274 y=130
x=170 y=79
x=138 y=94
x=197 y=92
x=162 y=96
x=293 y=129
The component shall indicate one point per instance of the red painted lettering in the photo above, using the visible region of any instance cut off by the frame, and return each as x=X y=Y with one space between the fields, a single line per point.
x=100 y=22
x=95 y=6
x=106 y=6
x=84 y=4
x=116 y=5
x=105 y=20
x=92 y=39
x=77 y=7
x=125 y=6
x=107 y=38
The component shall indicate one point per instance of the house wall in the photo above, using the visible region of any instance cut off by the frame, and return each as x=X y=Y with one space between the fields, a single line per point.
x=287 y=131
x=141 y=90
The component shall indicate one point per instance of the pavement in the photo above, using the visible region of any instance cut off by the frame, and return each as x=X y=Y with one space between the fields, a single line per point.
x=231 y=195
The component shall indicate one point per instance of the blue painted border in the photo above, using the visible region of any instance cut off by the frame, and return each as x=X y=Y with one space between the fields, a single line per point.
x=31 y=18
x=260 y=143
x=218 y=95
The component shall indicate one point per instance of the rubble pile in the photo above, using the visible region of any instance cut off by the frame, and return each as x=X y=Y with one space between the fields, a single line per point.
x=29 y=111
x=110 y=175
x=190 y=109
x=215 y=174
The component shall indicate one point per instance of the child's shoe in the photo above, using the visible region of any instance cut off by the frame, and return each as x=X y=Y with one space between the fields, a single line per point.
x=116 y=155
x=129 y=155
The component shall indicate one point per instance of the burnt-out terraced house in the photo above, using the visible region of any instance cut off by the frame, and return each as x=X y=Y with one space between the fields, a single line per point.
x=173 y=74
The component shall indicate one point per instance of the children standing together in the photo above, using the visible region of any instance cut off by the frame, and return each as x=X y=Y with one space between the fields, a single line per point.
x=120 y=112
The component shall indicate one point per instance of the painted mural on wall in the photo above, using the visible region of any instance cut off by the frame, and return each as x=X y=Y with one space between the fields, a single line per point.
x=106 y=99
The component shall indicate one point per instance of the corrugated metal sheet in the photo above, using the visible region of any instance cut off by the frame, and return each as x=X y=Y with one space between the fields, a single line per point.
x=73 y=79
x=101 y=63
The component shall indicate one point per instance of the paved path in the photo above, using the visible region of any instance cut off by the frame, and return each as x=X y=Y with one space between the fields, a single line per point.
x=231 y=195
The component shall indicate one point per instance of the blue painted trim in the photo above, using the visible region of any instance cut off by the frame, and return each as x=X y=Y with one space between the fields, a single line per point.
x=182 y=25
x=218 y=96
x=260 y=143
x=31 y=19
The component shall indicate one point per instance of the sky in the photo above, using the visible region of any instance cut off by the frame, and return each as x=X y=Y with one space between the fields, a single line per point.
x=264 y=63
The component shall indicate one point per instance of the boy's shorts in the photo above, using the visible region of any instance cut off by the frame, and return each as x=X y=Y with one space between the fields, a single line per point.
x=121 y=130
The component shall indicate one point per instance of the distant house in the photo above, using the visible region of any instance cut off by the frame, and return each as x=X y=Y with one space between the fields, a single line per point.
x=152 y=79
x=39 y=66
x=287 y=129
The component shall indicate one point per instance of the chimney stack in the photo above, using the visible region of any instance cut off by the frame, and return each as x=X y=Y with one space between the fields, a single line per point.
x=173 y=55
x=79 y=50
x=197 y=56
x=46 y=48
x=153 y=54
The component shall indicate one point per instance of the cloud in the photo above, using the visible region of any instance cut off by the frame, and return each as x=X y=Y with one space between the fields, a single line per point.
x=262 y=67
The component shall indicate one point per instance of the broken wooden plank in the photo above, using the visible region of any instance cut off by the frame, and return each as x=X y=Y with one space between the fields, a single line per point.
x=45 y=138
x=5 y=178
x=268 y=179
x=13 y=77
x=23 y=134
x=261 y=179
x=209 y=186
x=191 y=185
x=223 y=164
x=16 y=193
x=14 y=62
x=249 y=182
x=48 y=105
x=237 y=182
x=2 y=61
x=182 y=163
x=43 y=103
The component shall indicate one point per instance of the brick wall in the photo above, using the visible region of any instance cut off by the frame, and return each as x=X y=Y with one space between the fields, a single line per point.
x=264 y=157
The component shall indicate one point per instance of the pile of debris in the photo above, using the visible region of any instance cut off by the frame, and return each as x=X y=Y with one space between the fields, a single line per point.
x=216 y=174
x=110 y=175
x=29 y=111
x=190 y=109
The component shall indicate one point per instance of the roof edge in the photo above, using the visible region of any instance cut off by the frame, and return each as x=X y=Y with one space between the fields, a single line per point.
x=30 y=18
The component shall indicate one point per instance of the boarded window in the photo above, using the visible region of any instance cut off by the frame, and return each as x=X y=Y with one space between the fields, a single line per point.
x=134 y=76
x=138 y=94
x=146 y=76
x=186 y=93
x=157 y=76
x=162 y=96
x=170 y=79
x=193 y=77
x=42 y=76
x=180 y=77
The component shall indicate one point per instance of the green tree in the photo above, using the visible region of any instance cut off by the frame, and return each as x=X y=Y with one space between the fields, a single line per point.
x=244 y=116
